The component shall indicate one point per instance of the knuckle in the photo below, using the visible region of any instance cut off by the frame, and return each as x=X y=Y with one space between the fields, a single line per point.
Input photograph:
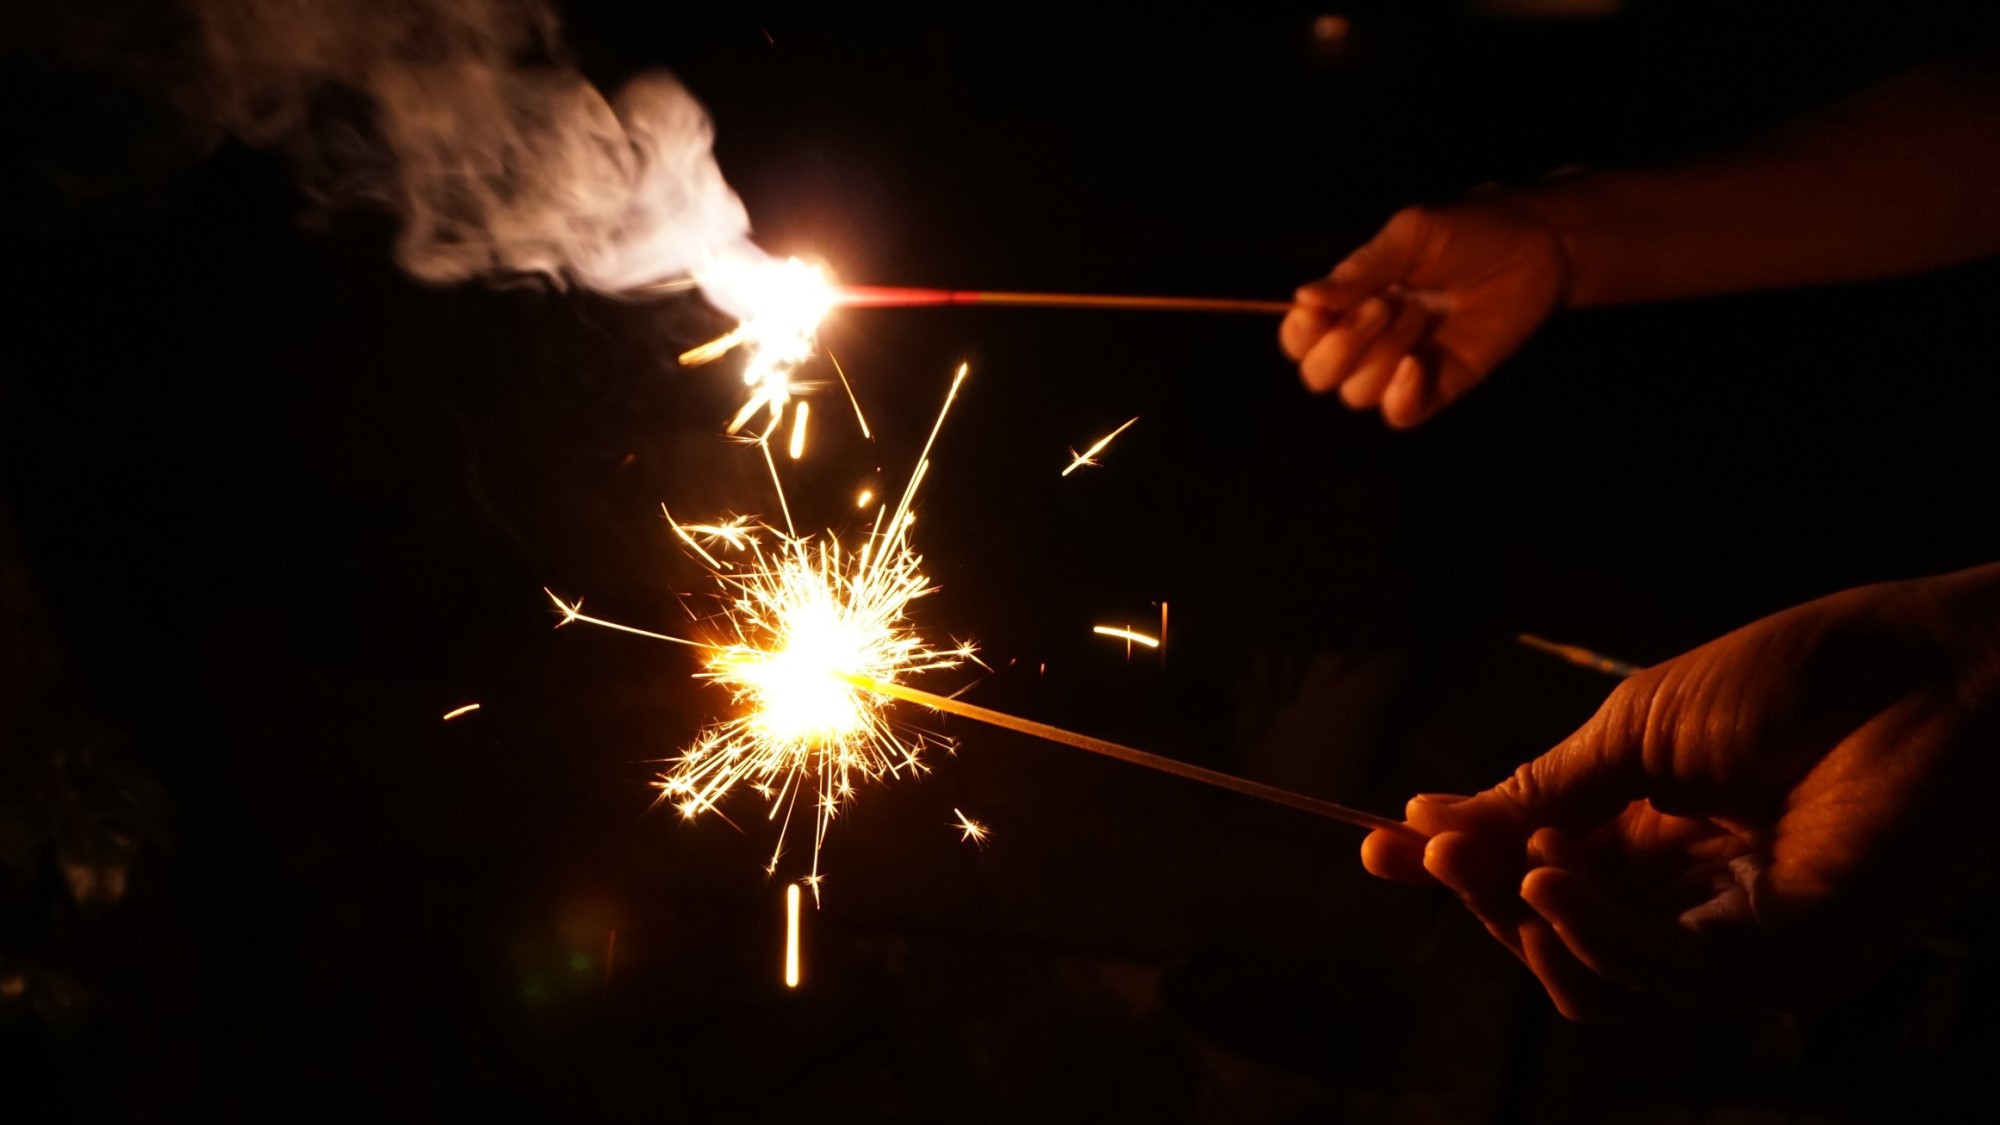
x=1410 y=220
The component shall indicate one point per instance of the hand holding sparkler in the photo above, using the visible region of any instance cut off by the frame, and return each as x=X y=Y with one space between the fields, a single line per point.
x=1427 y=309
x=1760 y=821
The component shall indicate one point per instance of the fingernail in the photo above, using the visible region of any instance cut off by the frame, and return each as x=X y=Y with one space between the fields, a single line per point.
x=1443 y=798
x=1407 y=370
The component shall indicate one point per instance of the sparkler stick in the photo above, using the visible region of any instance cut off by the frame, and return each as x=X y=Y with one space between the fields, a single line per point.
x=1580 y=656
x=887 y=296
x=1129 y=755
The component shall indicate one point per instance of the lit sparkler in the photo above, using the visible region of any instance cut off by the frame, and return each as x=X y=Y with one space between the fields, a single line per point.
x=780 y=305
x=801 y=616
x=814 y=643
x=1088 y=456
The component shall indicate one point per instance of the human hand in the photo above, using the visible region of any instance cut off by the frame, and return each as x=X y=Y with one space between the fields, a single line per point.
x=1424 y=311
x=1763 y=821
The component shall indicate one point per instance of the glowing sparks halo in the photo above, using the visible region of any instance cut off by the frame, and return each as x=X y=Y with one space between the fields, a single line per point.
x=802 y=618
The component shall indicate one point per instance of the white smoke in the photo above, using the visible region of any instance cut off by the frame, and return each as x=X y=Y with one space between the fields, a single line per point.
x=465 y=119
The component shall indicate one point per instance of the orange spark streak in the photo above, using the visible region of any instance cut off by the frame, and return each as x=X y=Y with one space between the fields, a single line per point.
x=1125 y=635
x=791 y=935
x=799 y=415
x=465 y=710
x=970 y=830
x=1086 y=457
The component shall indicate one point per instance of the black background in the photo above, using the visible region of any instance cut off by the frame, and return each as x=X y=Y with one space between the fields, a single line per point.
x=275 y=508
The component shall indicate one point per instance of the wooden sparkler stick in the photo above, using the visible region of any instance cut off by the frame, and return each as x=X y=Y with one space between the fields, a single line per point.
x=1220 y=780
x=1581 y=657
x=882 y=296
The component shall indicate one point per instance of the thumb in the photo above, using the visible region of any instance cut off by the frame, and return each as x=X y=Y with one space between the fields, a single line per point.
x=1586 y=780
x=1383 y=261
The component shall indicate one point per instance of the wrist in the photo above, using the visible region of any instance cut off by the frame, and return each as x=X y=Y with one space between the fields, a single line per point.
x=1563 y=207
x=1961 y=610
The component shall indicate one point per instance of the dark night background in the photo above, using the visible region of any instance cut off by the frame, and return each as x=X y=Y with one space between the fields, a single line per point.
x=268 y=509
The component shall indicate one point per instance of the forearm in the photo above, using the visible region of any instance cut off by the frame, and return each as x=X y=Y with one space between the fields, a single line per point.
x=1901 y=178
x=1961 y=610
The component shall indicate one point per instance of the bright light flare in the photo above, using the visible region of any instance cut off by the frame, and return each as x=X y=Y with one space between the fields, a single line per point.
x=800 y=618
x=779 y=304
x=1088 y=456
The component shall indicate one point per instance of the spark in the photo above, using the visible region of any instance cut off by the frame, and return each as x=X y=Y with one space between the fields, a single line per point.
x=849 y=387
x=970 y=830
x=791 y=935
x=456 y=712
x=799 y=616
x=1126 y=635
x=799 y=415
x=734 y=532
x=1088 y=456
x=862 y=500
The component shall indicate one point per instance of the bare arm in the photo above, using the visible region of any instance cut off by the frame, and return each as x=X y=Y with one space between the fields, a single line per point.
x=1901 y=178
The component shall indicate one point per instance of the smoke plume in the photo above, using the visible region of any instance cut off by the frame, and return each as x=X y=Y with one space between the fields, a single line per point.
x=467 y=121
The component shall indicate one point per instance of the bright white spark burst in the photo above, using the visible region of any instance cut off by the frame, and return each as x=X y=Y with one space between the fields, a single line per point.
x=801 y=618
x=779 y=305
